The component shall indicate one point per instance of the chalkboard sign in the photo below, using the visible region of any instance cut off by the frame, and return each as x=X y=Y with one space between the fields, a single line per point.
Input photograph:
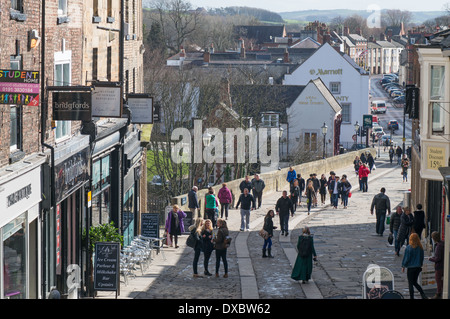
x=187 y=221
x=106 y=266
x=150 y=225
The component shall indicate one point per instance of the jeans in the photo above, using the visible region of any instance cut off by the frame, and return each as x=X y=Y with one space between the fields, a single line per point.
x=211 y=214
x=345 y=199
x=245 y=218
x=381 y=217
x=396 y=245
x=412 y=274
x=294 y=202
x=334 y=199
x=284 y=221
x=267 y=243
x=364 y=184
x=207 y=255
x=221 y=254
x=197 y=253
x=309 y=203
x=222 y=208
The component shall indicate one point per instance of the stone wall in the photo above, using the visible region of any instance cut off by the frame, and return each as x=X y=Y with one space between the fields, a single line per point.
x=276 y=180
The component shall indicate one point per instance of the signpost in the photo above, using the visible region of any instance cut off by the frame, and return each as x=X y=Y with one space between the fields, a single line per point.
x=141 y=106
x=19 y=87
x=106 y=266
x=107 y=99
x=150 y=225
x=72 y=106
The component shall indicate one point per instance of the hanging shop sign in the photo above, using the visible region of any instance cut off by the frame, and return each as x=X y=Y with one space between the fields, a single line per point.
x=141 y=107
x=72 y=106
x=19 y=87
x=71 y=174
x=107 y=99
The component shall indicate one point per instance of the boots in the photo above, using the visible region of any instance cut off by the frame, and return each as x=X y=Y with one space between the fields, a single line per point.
x=264 y=253
x=437 y=296
x=269 y=250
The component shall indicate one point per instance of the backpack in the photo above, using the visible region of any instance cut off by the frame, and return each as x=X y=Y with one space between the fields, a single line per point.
x=305 y=247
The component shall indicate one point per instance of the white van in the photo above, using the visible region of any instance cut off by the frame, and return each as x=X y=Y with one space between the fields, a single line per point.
x=378 y=107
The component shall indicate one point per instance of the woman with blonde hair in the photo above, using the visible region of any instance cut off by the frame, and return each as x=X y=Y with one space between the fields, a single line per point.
x=221 y=245
x=196 y=229
x=207 y=244
x=174 y=224
x=413 y=261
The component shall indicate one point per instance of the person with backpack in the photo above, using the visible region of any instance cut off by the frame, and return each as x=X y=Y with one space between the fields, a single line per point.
x=306 y=254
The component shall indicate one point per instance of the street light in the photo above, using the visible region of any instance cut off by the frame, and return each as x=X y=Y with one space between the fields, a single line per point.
x=280 y=134
x=324 y=132
x=356 y=133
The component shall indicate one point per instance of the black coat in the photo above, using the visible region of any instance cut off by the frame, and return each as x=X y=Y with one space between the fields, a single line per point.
x=419 y=221
x=395 y=222
x=207 y=245
x=284 y=205
x=245 y=184
x=192 y=198
x=268 y=225
x=406 y=223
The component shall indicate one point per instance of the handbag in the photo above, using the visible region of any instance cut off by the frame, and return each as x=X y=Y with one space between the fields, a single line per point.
x=264 y=234
x=349 y=194
x=191 y=240
x=390 y=239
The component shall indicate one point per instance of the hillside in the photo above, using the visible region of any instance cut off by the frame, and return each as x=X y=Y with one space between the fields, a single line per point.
x=327 y=15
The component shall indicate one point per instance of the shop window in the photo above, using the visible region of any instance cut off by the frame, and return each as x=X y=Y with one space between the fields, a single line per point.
x=128 y=216
x=101 y=199
x=14 y=259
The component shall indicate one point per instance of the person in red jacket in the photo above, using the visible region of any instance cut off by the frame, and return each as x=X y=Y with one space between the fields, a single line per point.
x=363 y=173
x=225 y=198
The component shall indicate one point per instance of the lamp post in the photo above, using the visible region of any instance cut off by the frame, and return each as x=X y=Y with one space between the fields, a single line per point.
x=280 y=134
x=206 y=142
x=356 y=133
x=324 y=132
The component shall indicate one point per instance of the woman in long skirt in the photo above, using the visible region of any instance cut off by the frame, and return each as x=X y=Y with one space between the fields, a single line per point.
x=306 y=253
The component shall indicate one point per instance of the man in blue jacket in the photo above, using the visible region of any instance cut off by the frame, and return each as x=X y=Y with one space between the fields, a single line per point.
x=291 y=176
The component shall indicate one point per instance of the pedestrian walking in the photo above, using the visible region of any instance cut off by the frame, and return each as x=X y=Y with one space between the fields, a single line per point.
x=258 y=186
x=363 y=158
x=345 y=188
x=207 y=244
x=334 y=191
x=268 y=227
x=225 y=198
x=391 y=153
x=438 y=260
x=174 y=224
x=331 y=178
x=295 y=194
x=370 y=161
x=306 y=254
x=310 y=194
x=399 y=152
x=405 y=165
x=406 y=224
x=363 y=176
x=221 y=244
x=323 y=188
x=247 y=202
x=419 y=220
x=394 y=225
x=196 y=230
x=356 y=164
x=246 y=183
x=316 y=184
x=211 y=205
x=193 y=202
x=381 y=203
x=291 y=175
x=283 y=207
x=413 y=262
x=302 y=185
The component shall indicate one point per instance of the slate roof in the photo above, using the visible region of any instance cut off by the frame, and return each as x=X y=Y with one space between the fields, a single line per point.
x=261 y=33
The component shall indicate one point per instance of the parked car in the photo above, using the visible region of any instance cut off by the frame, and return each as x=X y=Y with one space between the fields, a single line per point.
x=397 y=93
x=392 y=124
x=378 y=107
x=387 y=138
x=400 y=99
x=389 y=89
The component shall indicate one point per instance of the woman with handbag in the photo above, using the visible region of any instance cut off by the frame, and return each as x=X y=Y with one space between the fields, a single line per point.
x=268 y=233
x=345 y=190
x=198 y=247
x=208 y=246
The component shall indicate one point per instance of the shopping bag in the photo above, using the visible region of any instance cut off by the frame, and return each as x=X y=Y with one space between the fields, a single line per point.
x=349 y=194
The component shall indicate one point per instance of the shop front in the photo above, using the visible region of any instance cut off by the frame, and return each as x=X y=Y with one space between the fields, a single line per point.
x=20 y=197
x=131 y=187
x=68 y=218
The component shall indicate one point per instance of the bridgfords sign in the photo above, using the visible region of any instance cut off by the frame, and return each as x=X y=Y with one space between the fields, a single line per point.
x=72 y=106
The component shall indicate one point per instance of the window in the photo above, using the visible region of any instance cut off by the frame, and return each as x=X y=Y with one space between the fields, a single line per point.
x=62 y=7
x=346 y=112
x=310 y=141
x=109 y=64
x=101 y=197
x=95 y=7
x=94 y=64
x=335 y=87
x=62 y=77
x=437 y=82
x=109 y=7
x=128 y=216
x=17 y=5
x=15 y=131
x=270 y=120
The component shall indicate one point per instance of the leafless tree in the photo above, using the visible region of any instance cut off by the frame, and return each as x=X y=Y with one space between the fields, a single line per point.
x=395 y=17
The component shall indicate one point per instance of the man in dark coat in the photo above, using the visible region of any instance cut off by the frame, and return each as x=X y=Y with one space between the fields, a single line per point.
x=301 y=185
x=246 y=183
x=381 y=203
x=193 y=202
x=283 y=207
x=419 y=220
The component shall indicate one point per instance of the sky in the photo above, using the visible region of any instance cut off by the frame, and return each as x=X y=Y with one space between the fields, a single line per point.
x=299 y=5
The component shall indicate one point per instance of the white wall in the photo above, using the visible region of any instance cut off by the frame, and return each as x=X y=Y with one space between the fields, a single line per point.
x=354 y=86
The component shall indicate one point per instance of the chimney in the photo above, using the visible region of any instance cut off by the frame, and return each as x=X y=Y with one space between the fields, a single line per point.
x=286 y=56
x=242 y=48
x=290 y=40
x=206 y=56
x=382 y=37
x=225 y=96
x=346 y=31
x=358 y=31
x=327 y=38
x=389 y=35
